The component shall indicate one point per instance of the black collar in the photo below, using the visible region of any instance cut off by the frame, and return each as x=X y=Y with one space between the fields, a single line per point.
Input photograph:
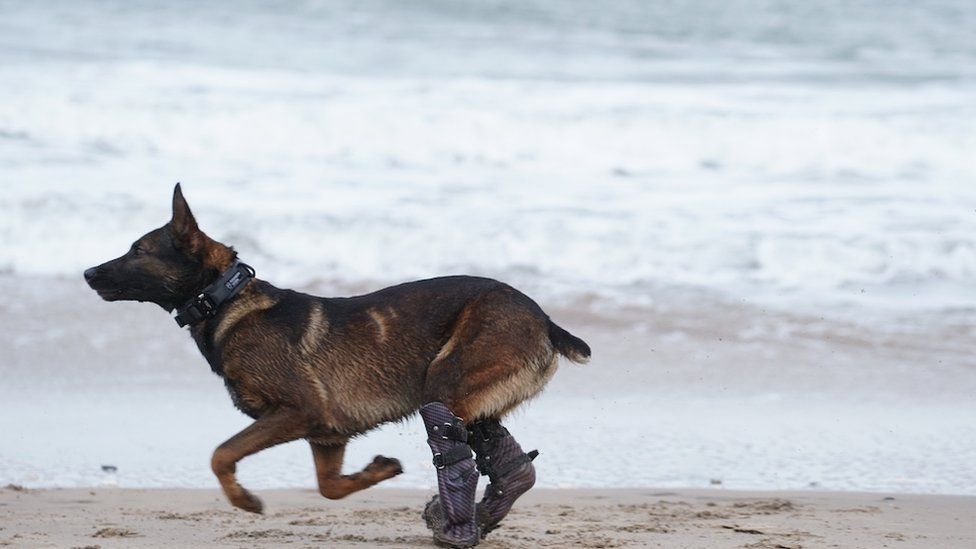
x=206 y=303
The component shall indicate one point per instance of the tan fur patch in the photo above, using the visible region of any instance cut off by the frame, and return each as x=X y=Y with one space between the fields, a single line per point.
x=365 y=398
x=317 y=383
x=366 y=413
x=446 y=349
x=380 y=321
x=452 y=342
x=524 y=385
x=245 y=304
x=216 y=255
x=316 y=328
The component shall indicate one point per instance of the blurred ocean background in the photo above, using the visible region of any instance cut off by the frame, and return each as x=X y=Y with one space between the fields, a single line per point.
x=761 y=213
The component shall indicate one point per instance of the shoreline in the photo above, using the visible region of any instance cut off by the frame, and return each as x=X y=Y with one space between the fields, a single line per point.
x=631 y=517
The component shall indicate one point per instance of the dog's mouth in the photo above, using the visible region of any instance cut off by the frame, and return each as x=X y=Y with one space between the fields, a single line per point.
x=113 y=294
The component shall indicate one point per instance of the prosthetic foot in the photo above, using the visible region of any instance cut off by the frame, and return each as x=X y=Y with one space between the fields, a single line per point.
x=451 y=514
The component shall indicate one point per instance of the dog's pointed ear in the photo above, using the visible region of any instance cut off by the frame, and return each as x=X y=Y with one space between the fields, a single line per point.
x=183 y=224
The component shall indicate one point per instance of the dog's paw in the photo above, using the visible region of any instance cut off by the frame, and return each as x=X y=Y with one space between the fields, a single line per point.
x=383 y=467
x=248 y=502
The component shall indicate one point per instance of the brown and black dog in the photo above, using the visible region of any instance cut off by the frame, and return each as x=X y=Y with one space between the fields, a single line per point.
x=327 y=369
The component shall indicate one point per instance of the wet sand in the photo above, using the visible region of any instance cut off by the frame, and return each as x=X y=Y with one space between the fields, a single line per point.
x=544 y=518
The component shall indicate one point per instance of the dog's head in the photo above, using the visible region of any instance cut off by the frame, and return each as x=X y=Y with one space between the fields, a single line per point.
x=167 y=266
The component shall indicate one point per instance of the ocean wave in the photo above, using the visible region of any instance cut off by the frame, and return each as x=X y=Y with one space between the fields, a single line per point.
x=774 y=170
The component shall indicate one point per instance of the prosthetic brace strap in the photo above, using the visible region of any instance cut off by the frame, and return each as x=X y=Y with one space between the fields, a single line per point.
x=484 y=431
x=496 y=473
x=209 y=300
x=451 y=431
x=460 y=452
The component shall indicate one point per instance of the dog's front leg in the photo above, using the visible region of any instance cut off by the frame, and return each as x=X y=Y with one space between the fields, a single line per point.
x=328 y=468
x=276 y=427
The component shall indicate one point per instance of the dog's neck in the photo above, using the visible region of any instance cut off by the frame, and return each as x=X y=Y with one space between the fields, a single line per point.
x=209 y=300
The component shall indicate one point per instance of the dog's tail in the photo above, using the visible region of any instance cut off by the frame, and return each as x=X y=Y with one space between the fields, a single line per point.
x=568 y=345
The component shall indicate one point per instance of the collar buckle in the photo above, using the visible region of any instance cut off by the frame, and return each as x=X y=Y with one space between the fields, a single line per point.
x=205 y=306
x=209 y=300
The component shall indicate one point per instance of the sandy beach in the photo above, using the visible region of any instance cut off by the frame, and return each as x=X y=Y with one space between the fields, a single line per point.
x=545 y=518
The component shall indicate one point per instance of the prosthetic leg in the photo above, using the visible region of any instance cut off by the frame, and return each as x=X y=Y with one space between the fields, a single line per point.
x=452 y=518
x=510 y=473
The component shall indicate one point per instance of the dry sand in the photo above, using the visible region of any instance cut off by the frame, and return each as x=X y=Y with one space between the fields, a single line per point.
x=544 y=518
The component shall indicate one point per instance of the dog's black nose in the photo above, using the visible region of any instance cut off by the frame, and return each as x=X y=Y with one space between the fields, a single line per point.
x=89 y=273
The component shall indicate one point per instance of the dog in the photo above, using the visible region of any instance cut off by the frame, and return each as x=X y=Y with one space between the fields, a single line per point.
x=461 y=350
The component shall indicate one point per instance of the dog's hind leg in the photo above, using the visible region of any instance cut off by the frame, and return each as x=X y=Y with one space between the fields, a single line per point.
x=276 y=427
x=498 y=356
x=328 y=468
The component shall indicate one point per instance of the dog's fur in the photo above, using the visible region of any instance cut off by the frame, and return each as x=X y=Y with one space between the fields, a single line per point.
x=327 y=369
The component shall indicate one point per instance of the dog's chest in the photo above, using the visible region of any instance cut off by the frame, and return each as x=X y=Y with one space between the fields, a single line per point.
x=241 y=400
